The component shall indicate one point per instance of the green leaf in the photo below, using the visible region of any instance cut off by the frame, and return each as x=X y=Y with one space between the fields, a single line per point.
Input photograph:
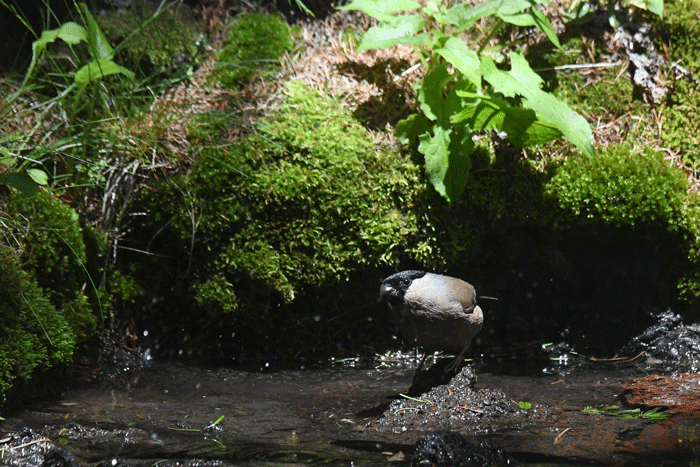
x=98 y=69
x=525 y=405
x=7 y=158
x=464 y=16
x=522 y=126
x=657 y=7
x=383 y=10
x=654 y=6
x=403 y=31
x=410 y=128
x=98 y=45
x=430 y=94
x=533 y=17
x=466 y=60
x=522 y=81
x=21 y=181
x=447 y=161
x=70 y=32
x=39 y=176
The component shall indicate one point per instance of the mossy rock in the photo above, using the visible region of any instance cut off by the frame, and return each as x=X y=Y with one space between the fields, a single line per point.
x=53 y=249
x=297 y=207
x=255 y=43
x=34 y=335
x=156 y=40
x=632 y=187
x=282 y=218
x=624 y=186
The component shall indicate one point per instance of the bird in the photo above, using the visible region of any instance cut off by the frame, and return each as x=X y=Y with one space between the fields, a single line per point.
x=433 y=311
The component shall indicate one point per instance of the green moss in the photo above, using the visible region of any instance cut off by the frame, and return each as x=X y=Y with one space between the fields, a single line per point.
x=625 y=186
x=33 y=334
x=629 y=187
x=681 y=119
x=681 y=25
x=254 y=45
x=589 y=92
x=290 y=200
x=153 y=37
x=54 y=250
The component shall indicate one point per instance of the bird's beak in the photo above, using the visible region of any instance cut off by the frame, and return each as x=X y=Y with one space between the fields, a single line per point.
x=385 y=290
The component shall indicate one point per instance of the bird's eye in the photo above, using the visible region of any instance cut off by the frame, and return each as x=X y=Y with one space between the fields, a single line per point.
x=405 y=282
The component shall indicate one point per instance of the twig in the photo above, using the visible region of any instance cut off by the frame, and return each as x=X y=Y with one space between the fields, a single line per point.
x=44 y=440
x=617 y=359
x=556 y=440
x=579 y=66
x=469 y=408
x=410 y=70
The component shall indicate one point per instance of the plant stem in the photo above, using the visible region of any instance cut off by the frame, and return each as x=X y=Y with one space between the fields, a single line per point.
x=488 y=38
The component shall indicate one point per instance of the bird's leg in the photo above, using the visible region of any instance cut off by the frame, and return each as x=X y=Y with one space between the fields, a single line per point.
x=422 y=361
x=457 y=362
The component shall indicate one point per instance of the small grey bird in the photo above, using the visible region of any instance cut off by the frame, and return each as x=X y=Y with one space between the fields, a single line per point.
x=433 y=311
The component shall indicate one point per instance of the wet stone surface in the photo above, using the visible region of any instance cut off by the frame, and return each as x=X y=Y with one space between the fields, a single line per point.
x=458 y=406
x=679 y=393
x=354 y=415
x=176 y=415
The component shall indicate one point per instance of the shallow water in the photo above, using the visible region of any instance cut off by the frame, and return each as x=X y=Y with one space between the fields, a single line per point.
x=168 y=413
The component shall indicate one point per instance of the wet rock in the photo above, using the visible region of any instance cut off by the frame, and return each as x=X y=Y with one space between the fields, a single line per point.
x=425 y=380
x=451 y=449
x=27 y=448
x=680 y=393
x=669 y=343
x=456 y=406
x=673 y=442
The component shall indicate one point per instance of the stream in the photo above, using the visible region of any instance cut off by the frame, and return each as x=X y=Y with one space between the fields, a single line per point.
x=169 y=414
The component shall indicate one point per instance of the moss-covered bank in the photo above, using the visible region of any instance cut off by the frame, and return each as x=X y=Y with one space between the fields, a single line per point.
x=48 y=302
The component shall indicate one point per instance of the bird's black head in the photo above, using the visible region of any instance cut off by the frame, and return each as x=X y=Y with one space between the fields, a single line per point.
x=394 y=286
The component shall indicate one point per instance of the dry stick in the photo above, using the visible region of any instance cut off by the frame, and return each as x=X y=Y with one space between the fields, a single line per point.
x=617 y=359
x=45 y=440
x=579 y=66
x=469 y=408
x=556 y=440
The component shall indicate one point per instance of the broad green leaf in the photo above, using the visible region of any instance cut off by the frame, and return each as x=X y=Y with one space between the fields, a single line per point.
x=39 y=176
x=522 y=81
x=410 y=128
x=447 y=160
x=20 y=180
x=511 y=7
x=463 y=16
x=657 y=7
x=654 y=6
x=7 y=158
x=98 y=69
x=466 y=60
x=402 y=32
x=430 y=94
x=383 y=10
x=533 y=17
x=522 y=126
x=98 y=45
x=432 y=99
x=70 y=32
